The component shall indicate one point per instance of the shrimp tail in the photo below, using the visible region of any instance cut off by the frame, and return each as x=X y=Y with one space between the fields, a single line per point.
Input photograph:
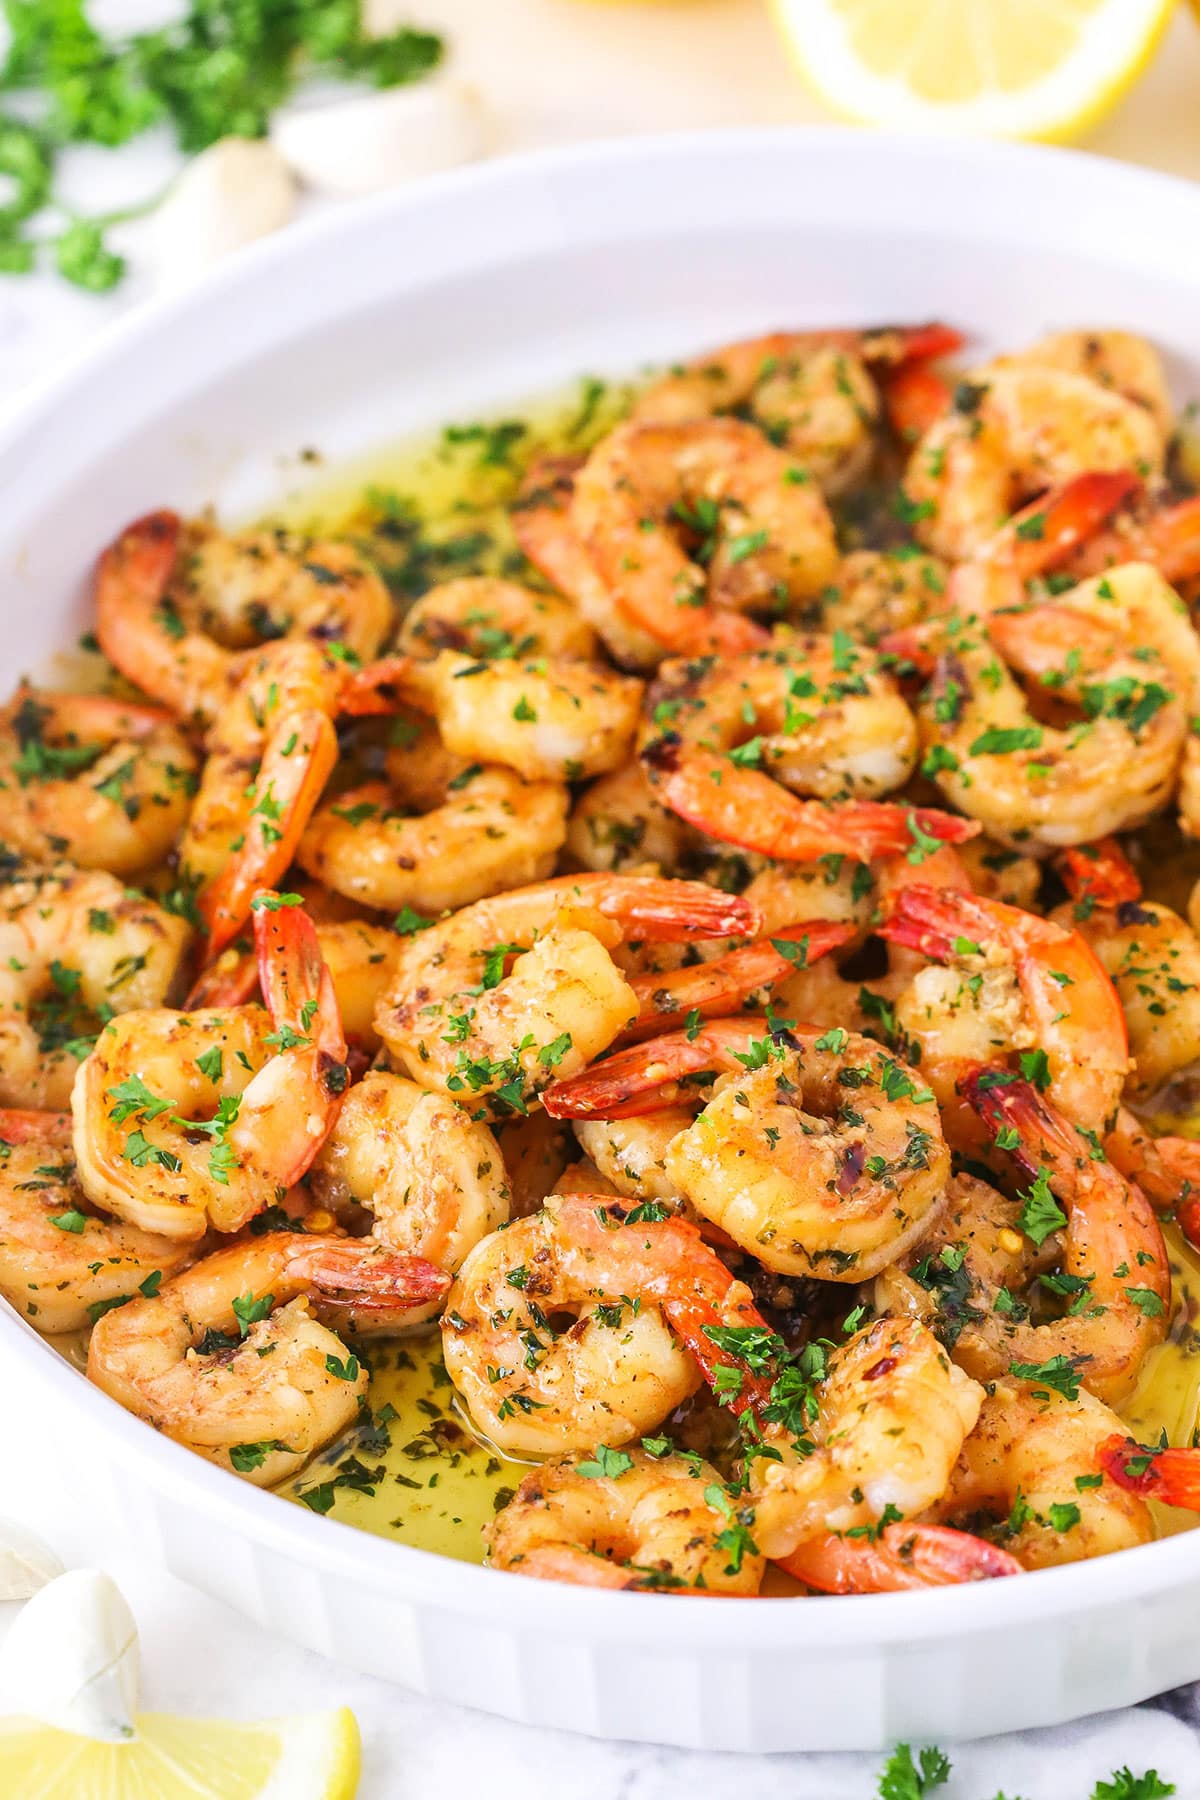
x=1006 y=1104
x=711 y=990
x=677 y=910
x=1045 y=533
x=296 y=983
x=367 y=1277
x=916 y=397
x=1099 y=872
x=231 y=979
x=747 y=808
x=1157 y=1473
x=645 y=1077
x=901 y=1557
x=299 y=757
x=21 y=1125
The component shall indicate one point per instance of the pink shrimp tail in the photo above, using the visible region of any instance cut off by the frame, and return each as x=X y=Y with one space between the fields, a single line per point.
x=296 y=983
x=676 y=910
x=902 y=1557
x=1005 y=1102
x=1100 y=872
x=712 y=990
x=915 y=397
x=370 y=1279
x=933 y=920
x=231 y=979
x=1045 y=533
x=381 y=687
x=1168 y=1474
x=21 y=1125
x=644 y=1078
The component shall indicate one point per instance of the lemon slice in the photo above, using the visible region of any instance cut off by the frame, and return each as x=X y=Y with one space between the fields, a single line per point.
x=1007 y=68
x=314 y=1757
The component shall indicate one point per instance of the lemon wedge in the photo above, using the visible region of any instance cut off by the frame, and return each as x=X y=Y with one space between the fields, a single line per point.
x=310 y=1757
x=1006 y=68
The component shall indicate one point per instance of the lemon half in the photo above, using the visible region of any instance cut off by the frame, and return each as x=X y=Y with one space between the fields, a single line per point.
x=313 y=1757
x=1007 y=68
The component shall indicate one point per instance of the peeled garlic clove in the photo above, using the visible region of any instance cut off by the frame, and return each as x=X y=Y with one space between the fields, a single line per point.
x=232 y=193
x=71 y=1658
x=375 y=140
x=26 y=1564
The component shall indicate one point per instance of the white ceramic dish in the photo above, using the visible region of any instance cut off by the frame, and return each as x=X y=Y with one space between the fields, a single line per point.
x=477 y=291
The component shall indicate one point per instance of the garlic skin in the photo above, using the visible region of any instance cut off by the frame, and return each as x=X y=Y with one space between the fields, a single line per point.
x=26 y=1563
x=71 y=1658
x=237 y=190
x=377 y=140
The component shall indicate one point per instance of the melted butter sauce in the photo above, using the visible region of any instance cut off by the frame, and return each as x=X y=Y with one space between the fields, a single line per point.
x=414 y=1469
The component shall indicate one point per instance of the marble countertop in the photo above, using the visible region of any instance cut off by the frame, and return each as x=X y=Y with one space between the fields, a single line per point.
x=554 y=70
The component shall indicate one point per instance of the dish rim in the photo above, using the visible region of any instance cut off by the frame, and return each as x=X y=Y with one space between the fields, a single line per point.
x=422 y=1575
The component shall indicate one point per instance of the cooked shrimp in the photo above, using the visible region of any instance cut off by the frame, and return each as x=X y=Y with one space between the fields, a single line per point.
x=1152 y=957
x=624 y=1519
x=549 y=720
x=880 y=591
x=187 y=1119
x=1121 y=652
x=76 y=948
x=1113 y=1250
x=824 y=1157
x=728 y=984
x=227 y=1359
x=1012 y=982
x=173 y=610
x=811 y=392
x=1118 y=360
x=618 y=824
x=1012 y=432
x=460 y=1019
x=440 y=832
x=744 y=807
x=891 y=1415
x=1031 y=1465
x=543 y=527
x=96 y=780
x=432 y=1179
x=487 y=619
x=686 y=522
x=630 y=1155
x=812 y=712
x=270 y=753
x=62 y=1265
x=1167 y=536
x=896 y=1559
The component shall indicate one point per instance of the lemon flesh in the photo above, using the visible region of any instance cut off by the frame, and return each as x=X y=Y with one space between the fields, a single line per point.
x=1008 y=68
x=313 y=1757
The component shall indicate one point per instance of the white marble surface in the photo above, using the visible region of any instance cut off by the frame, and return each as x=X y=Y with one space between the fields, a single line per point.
x=554 y=70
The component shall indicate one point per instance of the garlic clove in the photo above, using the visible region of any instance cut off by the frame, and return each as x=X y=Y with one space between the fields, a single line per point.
x=237 y=190
x=26 y=1563
x=71 y=1658
x=377 y=140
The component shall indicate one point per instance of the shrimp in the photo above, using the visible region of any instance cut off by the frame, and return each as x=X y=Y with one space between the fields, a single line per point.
x=96 y=780
x=823 y=1157
x=62 y=1265
x=811 y=392
x=174 y=611
x=1031 y=1465
x=881 y=591
x=690 y=525
x=460 y=1019
x=630 y=1155
x=182 y=1120
x=227 y=1359
x=1152 y=957
x=624 y=1519
x=618 y=824
x=1167 y=536
x=270 y=753
x=895 y=1559
x=745 y=807
x=1120 y=652
x=542 y=526
x=438 y=832
x=1118 y=360
x=1012 y=982
x=1010 y=433
x=879 y=1431
x=484 y=618
x=729 y=983
x=76 y=948
x=812 y=712
x=432 y=1179
x=1113 y=1250
x=550 y=721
